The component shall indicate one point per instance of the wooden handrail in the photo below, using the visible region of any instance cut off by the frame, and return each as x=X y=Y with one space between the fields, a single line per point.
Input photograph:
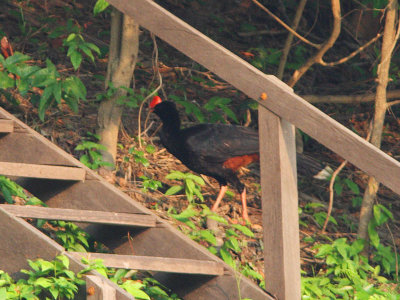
x=284 y=103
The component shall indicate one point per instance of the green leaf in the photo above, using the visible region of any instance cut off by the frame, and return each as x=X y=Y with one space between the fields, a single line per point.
x=338 y=187
x=234 y=244
x=227 y=257
x=352 y=186
x=43 y=282
x=245 y=230
x=134 y=288
x=6 y=81
x=175 y=175
x=76 y=59
x=15 y=59
x=87 y=51
x=100 y=6
x=7 y=194
x=218 y=219
x=150 y=149
x=208 y=236
x=64 y=260
x=174 y=190
x=93 y=47
x=54 y=292
x=71 y=37
x=373 y=234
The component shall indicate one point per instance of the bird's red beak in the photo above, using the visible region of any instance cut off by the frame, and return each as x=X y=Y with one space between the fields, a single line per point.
x=156 y=100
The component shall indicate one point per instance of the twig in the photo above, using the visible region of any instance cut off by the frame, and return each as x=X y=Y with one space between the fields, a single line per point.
x=160 y=82
x=287 y=27
x=351 y=55
x=317 y=58
x=289 y=39
x=331 y=193
x=395 y=251
x=332 y=181
x=391 y=103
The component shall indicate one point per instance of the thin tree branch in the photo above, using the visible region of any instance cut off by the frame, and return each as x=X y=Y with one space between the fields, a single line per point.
x=289 y=40
x=331 y=193
x=351 y=55
x=160 y=82
x=287 y=27
x=317 y=58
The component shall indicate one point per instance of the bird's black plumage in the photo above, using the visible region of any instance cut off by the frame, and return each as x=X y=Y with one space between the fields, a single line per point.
x=204 y=148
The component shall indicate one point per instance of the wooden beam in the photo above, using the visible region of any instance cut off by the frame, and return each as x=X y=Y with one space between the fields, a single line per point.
x=97 y=288
x=41 y=171
x=21 y=241
x=76 y=215
x=6 y=126
x=159 y=264
x=281 y=99
x=279 y=206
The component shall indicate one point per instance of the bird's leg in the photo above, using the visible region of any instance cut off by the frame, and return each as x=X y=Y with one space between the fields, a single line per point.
x=221 y=195
x=245 y=215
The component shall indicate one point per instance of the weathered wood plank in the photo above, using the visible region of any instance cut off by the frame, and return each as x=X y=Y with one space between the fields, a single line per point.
x=41 y=171
x=6 y=126
x=159 y=264
x=281 y=100
x=279 y=206
x=21 y=241
x=75 y=215
x=97 y=288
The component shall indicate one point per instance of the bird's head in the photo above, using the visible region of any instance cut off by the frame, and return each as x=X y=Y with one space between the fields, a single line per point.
x=166 y=110
x=154 y=102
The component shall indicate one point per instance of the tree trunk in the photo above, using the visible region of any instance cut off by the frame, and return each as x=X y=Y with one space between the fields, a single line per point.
x=388 y=43
x=124 y=47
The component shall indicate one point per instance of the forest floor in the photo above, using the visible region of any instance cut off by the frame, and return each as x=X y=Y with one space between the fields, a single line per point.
x=185 y=79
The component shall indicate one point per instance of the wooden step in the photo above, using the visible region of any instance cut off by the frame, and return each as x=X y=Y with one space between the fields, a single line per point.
x=6 y=126
x=42 y=171
x=76 y=215
x=158 y=264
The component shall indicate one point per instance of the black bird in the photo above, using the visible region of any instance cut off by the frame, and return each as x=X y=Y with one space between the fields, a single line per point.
x=218 y=150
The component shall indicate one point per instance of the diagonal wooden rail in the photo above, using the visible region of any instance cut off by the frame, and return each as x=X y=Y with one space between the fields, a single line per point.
x=282 y=262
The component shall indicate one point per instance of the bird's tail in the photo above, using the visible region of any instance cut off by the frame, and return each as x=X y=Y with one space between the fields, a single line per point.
x=308 y=166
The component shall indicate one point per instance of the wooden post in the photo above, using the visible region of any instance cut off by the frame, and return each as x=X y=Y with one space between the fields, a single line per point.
x=98 y=289
x=280 y=206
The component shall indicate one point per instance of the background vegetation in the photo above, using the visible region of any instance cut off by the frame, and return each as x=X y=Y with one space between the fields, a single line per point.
x=58 y=73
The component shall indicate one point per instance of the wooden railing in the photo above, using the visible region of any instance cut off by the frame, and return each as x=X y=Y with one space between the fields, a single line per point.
x=277 y=117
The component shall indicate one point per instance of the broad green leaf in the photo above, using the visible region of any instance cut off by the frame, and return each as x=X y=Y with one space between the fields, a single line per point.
x=175 y=175
x=227 y=257
x=71 y=37
x=100 y=6
x=15 y=59
x=234 y=244
x=373 y=234
x=76 y=59
x=352 y=186
x=93 y=47
x=245 y=230
x=174 y=190
x=134 y=288
x=64 y=260
x=87 y=51
x=43 y=282
x=208 y=236
x=5 y=81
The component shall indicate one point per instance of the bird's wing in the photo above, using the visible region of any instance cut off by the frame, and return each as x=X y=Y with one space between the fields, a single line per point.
x=219 y=142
